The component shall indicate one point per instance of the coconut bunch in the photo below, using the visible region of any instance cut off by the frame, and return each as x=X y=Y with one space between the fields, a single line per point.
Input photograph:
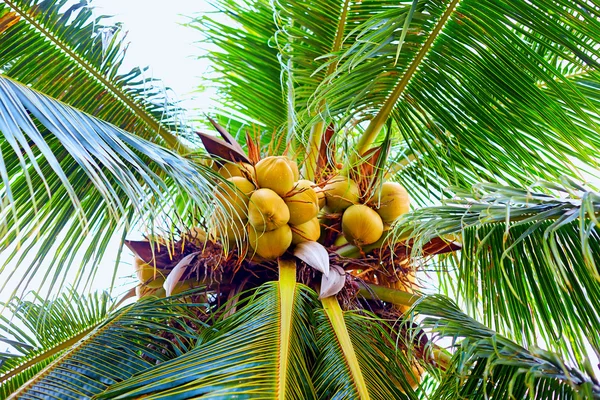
x=336 y=226
x=269 y=205
x=363 y=222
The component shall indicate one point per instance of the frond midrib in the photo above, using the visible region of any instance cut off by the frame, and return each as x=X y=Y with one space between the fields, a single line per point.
x=171 y=140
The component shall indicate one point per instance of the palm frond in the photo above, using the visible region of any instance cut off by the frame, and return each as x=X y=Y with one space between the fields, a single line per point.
x=60 y=49
x=132 y=340
x=240 y=355
x=487 y=365
x=529 y=261
x=357 y=358
x=65 y=173
x=39 y=330
x=494 y=96
x=244 y=56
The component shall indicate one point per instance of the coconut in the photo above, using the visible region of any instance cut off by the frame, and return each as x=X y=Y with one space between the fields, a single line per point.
x=275 y=173
x=146 y=272
x=340 y=241
x=294 y=168
x=341 y=193
x=267 y=211
x=320 y=196
x=302 y=202
x=390 y=201
x=307 y=232
x=236 y=198
x=196 y=235
x=244 y=170
x=271 y=244
x=145 y=291
x=184 y=286
x=361 y=225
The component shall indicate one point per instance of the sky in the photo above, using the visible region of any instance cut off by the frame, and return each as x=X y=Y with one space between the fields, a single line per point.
x=159 y=40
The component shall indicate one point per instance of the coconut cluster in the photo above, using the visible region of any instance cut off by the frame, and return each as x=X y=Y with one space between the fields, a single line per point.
x=364 y=224
x=270 y=203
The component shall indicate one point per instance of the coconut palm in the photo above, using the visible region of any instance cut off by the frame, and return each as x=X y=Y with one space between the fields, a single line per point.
x=486 y=112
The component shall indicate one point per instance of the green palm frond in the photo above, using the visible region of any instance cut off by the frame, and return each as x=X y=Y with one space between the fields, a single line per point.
x=357 y=358
x=58 y=48
x=477 y=92
x=132 y=340
x=487 y=365
x=39 y=330
x=66 y=173
x=272 y=348
x=248 y=75
x=529 y=261
x=482 y=100
x=241 y=356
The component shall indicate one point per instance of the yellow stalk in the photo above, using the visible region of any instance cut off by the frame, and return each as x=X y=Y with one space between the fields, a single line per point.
x=336 y=318
x=287 y=292
x=389 y=295
x=374 y=127
x=316 y=132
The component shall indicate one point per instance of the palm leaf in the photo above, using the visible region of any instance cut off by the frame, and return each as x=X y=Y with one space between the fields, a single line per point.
x=66 y=173
x=246 y=65
x=132 y=340
x=40 y=330
x=456 y=106
x=61 y=50
x=487 y=365
x=477 y=91
x=261 y=351
x=539 y=253
x=357 y=358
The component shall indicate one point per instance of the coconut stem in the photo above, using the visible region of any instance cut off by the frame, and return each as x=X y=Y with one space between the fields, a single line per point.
x=394 y=296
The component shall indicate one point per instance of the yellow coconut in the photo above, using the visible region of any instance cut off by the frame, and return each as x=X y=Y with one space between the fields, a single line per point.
x=236 y=198
x=271 y=244
x=390 y=201
x=184 y=286
x=244 y=170
x=146 y=273
x=267 y=211
x=276 y=174
x=196 y=235
x=294 y=168
x=302 y=202
x=340 y=241
x=361 y=225
x=320 y=196
x=145 y=291
x=341 y=193
x=308 y=231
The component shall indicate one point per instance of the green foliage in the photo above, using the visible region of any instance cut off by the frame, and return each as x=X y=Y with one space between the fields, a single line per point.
x=245 y=62
x=37 y=330
x=132 y=340
x=529 y=261
x=59 y=48
x=487 y=365
x=71 y=174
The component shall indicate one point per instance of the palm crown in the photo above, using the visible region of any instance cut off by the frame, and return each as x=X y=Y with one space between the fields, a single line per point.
x=281 y=260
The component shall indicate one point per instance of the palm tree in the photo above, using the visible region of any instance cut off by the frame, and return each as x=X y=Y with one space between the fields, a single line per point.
x=485 y=111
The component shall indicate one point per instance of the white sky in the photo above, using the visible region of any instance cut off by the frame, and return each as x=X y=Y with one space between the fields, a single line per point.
x=158 y=40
